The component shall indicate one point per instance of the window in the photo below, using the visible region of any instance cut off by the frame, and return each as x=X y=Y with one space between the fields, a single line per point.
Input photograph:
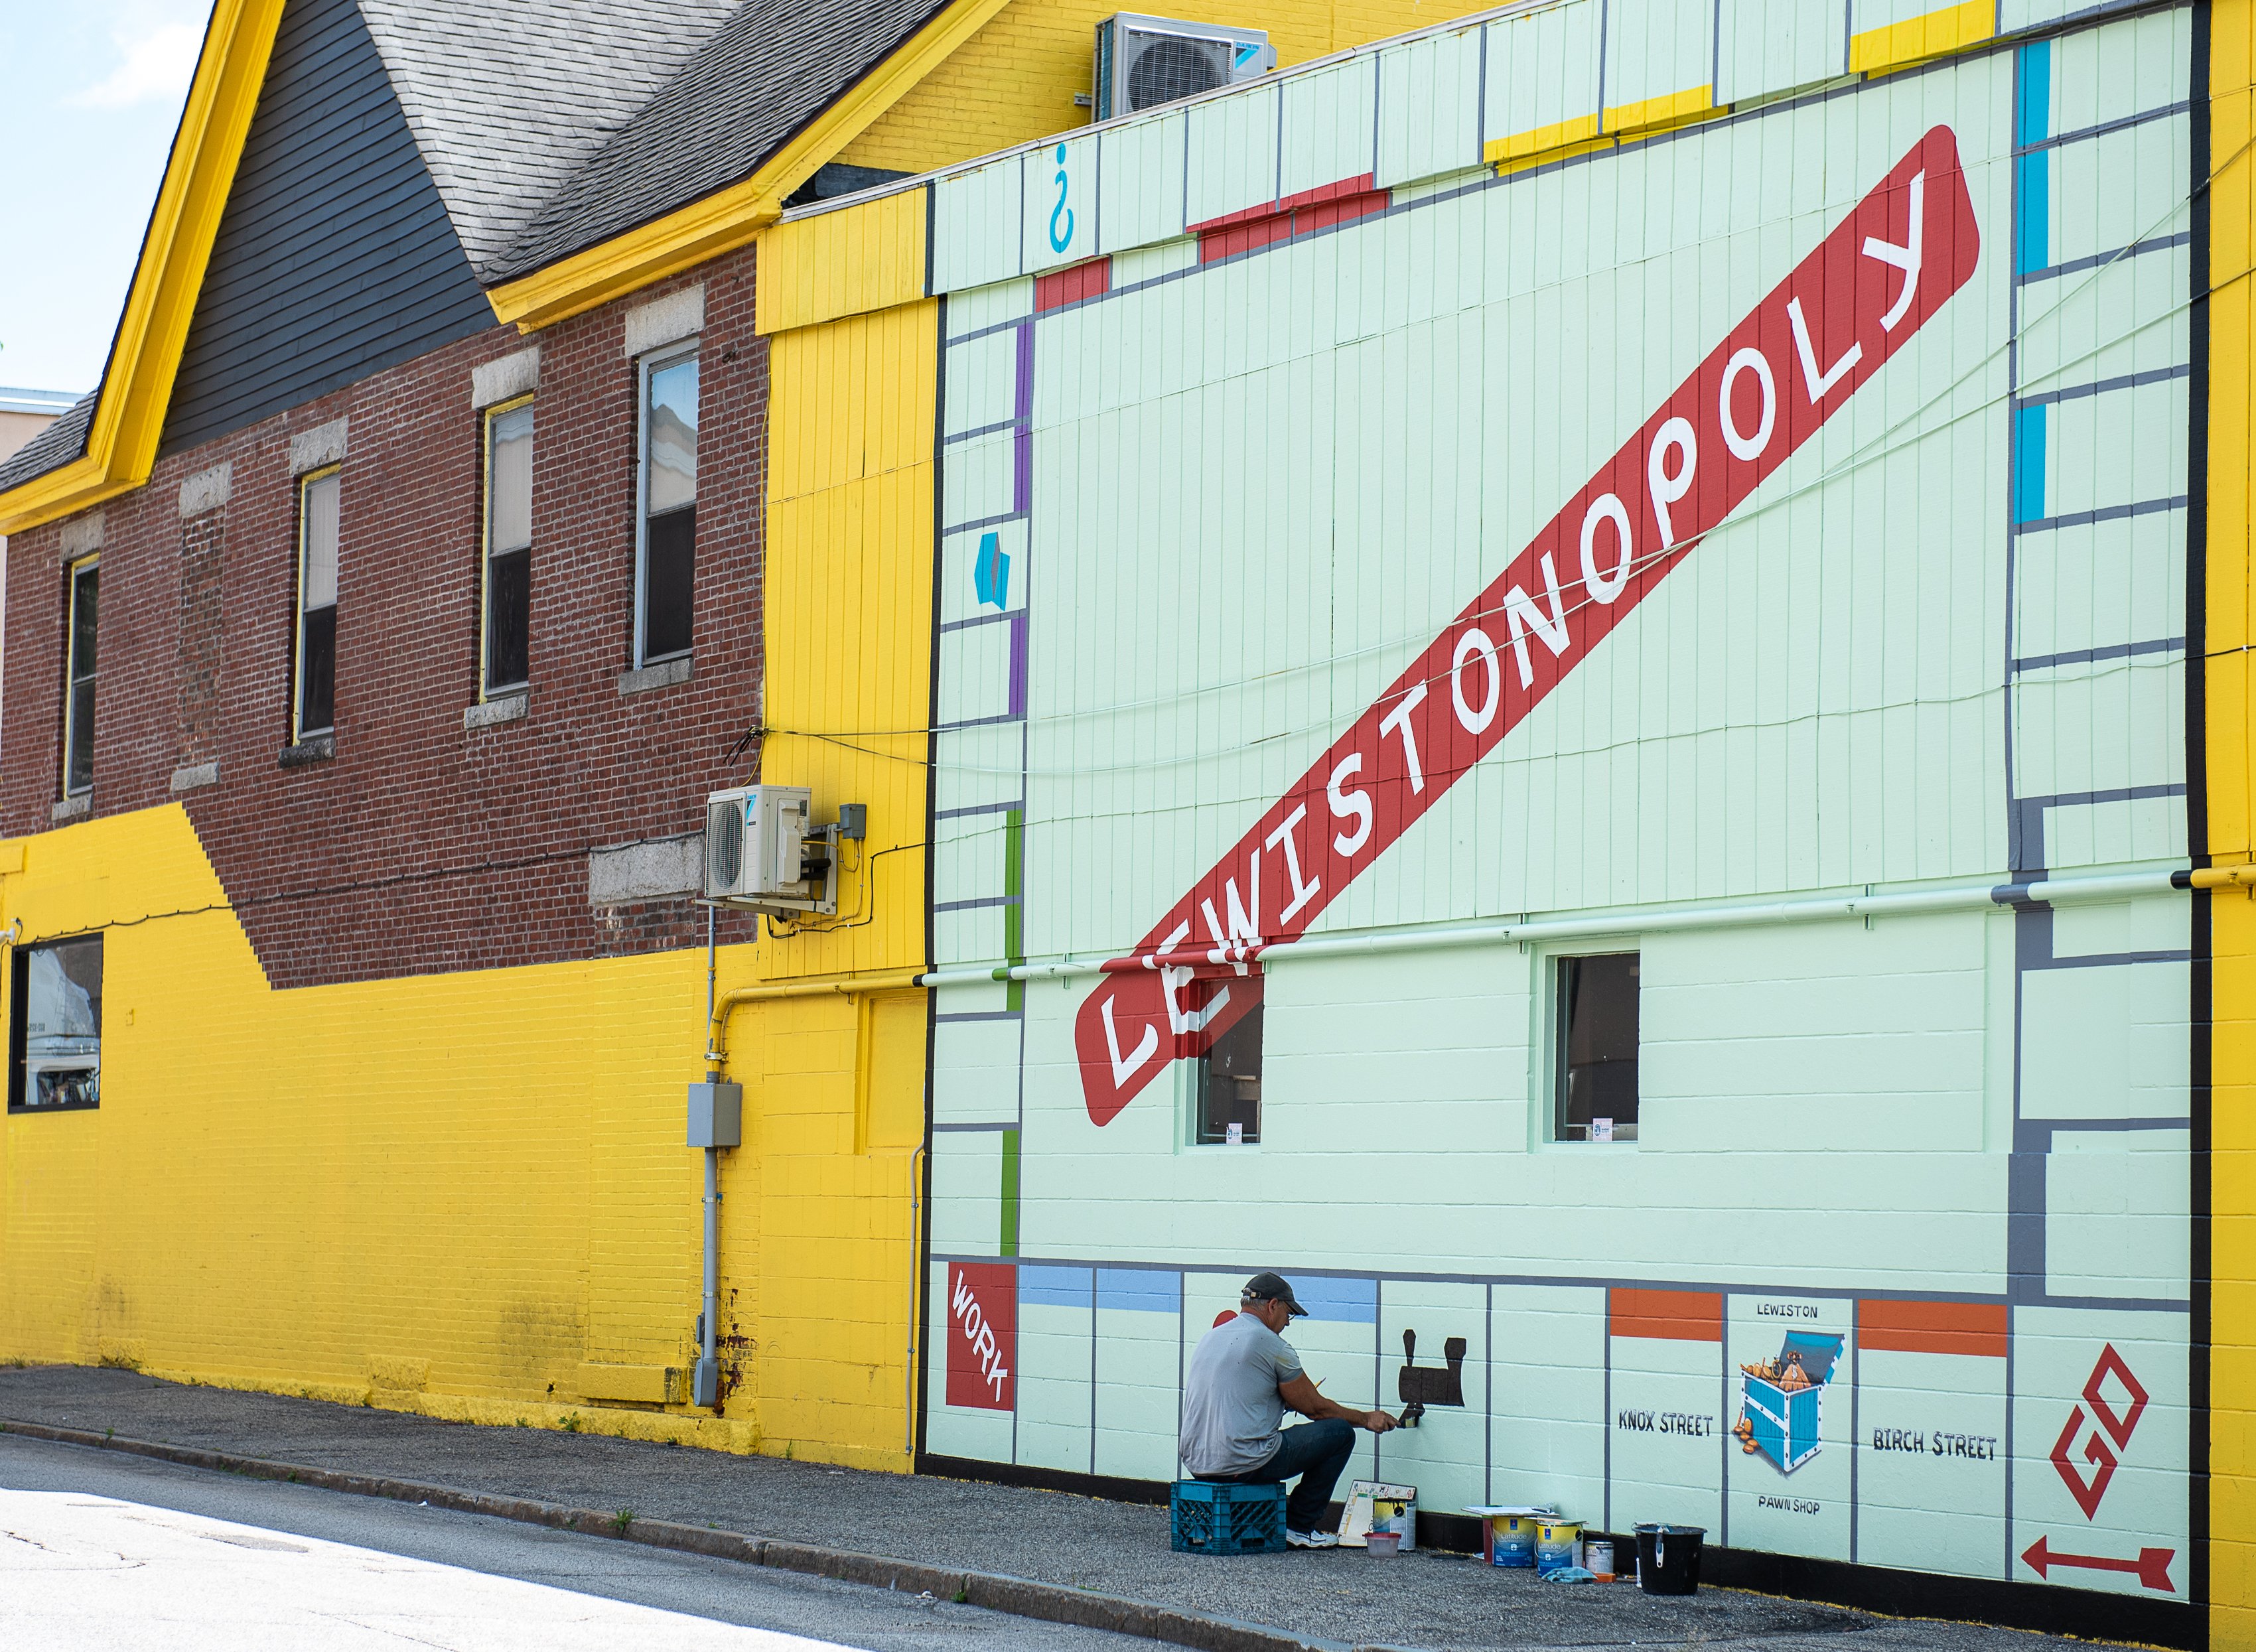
x=665 y=549
x=1598 y=1048
x=78 y=685
x=317 y=604
x=55 y=1040
x=1229 y=1075
x=509 y=547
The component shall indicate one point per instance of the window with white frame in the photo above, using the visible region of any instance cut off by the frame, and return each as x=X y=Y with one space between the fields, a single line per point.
x=78 y=679
x=1229 y=1075
x=1594 y=1048
x=665 y=544
x=507 y=631
x=314 y=710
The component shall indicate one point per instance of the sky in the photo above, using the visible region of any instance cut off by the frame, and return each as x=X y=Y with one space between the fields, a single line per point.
x=90 y=93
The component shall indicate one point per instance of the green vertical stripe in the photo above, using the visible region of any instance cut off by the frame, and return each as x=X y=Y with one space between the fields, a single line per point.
x=1010 y=1235
x=1014 y=886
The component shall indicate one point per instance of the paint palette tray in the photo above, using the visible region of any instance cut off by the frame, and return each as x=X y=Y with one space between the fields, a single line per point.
x=1208 y=1519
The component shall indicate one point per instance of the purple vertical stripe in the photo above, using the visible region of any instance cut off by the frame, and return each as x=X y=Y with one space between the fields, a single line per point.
x=1019 y=663
x=1022 y=442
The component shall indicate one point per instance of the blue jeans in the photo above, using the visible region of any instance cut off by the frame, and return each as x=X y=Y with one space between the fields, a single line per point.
x=1316 y=1451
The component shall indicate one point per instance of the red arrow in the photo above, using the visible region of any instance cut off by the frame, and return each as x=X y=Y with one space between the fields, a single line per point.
x=2153 y=1565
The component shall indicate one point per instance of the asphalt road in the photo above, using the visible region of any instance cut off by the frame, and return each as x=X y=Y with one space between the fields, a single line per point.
x=121 y=1552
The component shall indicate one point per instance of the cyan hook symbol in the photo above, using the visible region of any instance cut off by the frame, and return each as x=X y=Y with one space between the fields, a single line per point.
x=1060 y=242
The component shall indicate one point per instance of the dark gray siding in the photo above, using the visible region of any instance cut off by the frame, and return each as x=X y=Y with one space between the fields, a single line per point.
x=336 y=258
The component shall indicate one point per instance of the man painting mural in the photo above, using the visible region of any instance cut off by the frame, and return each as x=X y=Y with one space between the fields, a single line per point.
x=1244 y=1376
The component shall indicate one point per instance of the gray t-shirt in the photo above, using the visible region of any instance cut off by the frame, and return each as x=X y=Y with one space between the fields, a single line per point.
x=1230 y=1406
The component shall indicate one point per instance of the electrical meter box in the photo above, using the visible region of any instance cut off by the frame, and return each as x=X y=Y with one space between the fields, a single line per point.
x=716 y=1115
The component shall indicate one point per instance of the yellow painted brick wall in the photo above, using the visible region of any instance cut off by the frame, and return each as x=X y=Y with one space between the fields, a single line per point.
x=460 y=1185
x=1015 y=81
x=2232 y=1167
x=452 y=1193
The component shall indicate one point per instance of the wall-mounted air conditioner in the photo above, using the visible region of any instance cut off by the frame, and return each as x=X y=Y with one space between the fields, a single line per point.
x=1142 y=62
x=764 y=854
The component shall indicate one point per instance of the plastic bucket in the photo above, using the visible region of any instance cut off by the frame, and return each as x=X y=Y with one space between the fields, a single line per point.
x=1384 y=1545
x=1558 y=1544
x=1668 y=1558
x=1512 y=1540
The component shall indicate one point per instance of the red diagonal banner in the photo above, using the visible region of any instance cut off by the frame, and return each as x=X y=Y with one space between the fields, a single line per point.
x=1791 y=365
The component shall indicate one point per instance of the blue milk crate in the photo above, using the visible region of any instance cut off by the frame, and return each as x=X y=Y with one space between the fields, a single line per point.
x=1207 y=1519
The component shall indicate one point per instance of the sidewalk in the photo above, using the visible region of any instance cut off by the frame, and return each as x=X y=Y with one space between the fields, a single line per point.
x=1425 y=1601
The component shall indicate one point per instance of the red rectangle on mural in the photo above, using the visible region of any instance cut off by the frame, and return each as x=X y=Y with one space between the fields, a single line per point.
x=1933 y=1327
x=1061 y=287
x=1666 y=1316
x=983 y=1335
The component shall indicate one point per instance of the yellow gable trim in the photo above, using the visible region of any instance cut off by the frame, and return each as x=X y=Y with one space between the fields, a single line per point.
x=730 y=219
x=120 y=446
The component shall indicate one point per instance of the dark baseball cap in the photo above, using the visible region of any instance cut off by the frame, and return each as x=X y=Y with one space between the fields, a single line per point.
x=1265 y=1286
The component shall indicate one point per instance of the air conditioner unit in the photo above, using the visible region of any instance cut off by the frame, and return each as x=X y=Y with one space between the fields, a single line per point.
x=764 y=854
x=1143 y=62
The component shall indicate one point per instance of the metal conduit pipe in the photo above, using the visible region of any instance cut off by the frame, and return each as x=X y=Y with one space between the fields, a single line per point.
x=716 y=1014
x=916 y=1298
x=1426 y=936
x=705 y=1383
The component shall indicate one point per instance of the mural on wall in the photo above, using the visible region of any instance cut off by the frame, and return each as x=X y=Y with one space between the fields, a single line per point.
x=1353 y=533
x=1761 y=392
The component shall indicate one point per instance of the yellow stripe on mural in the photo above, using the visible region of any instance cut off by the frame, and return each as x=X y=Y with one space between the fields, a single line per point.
x=2227 y=725
x=1657 y=114
x=1542 y=141
x=1876 y=51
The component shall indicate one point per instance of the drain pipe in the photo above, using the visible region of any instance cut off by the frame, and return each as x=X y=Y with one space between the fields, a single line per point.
x=916 y=1298
x=706 y=1384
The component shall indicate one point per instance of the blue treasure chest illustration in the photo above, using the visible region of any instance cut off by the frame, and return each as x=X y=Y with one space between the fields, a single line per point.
x=1778 y=1399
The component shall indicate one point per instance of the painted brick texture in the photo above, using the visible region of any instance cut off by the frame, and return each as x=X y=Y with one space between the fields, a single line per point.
x=420 y=847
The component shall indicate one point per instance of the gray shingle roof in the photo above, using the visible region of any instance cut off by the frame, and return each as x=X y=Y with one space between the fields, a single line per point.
x=507 y=99
x=773 y=68
x=551 y=125
x=53 y=448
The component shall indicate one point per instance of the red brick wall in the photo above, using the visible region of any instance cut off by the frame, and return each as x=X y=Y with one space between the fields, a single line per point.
x=420 y=845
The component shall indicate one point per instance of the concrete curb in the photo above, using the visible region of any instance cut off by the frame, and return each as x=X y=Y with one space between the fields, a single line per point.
x=1021 y=1597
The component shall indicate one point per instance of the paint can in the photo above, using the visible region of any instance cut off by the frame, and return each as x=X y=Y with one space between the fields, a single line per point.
x=1598 y=1558
x=1512 y=1540
x=1557 y=1543
x=1382 y=1545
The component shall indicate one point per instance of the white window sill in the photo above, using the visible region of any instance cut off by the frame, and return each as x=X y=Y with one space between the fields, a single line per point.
x=664 y=674
x=505 y=707
x=71 y=808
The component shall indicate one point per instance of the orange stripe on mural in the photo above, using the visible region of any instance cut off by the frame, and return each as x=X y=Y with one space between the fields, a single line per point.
x=1667 y=1316
x=1933 y=1327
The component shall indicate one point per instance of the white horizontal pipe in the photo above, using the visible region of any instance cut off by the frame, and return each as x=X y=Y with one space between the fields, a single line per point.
x=1424 y=937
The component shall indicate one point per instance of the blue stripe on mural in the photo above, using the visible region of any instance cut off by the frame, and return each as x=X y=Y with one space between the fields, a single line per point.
x=1138 y=1290
x=1354 y=1301
x=1054 y=1287
x=2032 y=124
x=2029 y=462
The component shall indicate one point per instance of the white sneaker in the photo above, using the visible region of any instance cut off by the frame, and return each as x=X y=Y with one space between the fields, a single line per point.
x=1312 y=1539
